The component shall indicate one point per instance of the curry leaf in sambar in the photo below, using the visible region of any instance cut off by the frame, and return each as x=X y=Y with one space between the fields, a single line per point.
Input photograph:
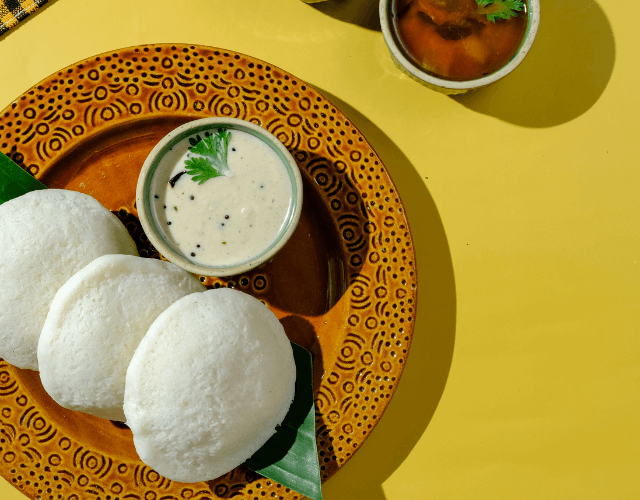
x=499 y=9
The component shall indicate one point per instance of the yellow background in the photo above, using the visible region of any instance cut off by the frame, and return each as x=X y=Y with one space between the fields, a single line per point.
x=523 y=379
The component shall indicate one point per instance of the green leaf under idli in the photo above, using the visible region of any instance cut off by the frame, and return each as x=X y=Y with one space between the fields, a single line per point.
x=290 y=457
x=14 y=181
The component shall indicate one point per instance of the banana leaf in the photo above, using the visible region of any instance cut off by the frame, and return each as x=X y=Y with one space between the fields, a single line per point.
x=290 y=457
x=14 y=181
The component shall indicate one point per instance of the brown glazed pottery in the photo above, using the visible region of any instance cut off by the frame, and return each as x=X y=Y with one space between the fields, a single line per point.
x=344 y=286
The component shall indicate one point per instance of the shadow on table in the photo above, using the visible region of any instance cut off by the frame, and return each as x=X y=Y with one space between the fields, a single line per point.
x=425 y=375
x=363 y=13
x=565 y=73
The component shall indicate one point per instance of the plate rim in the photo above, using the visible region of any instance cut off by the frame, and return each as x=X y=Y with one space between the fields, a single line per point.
x=39 y=87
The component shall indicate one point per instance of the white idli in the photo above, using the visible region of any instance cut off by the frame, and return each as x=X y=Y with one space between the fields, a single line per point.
x=208 y=385
x=95 y=323
x=46 y=236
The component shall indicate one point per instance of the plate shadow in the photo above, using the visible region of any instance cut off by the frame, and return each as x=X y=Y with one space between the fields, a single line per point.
x=423 y=381
x=564 y=74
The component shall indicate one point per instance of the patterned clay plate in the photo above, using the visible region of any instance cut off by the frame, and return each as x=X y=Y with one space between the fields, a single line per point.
x=344 y=286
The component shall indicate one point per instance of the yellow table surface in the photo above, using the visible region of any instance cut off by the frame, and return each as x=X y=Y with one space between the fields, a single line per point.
x=523 y=378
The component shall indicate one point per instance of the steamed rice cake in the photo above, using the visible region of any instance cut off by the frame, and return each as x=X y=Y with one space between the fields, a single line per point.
x=208 y=384
x=47 y=236
x=95 y=323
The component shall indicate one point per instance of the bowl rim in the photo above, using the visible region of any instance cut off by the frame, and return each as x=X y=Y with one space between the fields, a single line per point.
x=143 y=196
x=386 y=8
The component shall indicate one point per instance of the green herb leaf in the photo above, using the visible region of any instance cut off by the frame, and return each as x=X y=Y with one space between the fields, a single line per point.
x=290 y=457
x=212 y=156
x=14 y=181
x=499 y=9
x=200 y=169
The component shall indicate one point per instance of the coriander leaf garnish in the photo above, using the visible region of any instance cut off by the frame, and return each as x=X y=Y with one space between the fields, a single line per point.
x=212 y=156
x=200 y=169
x=499 y=9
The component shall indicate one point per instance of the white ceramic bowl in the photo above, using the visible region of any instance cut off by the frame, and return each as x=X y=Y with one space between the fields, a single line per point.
x=153 y=228
x=406 y=65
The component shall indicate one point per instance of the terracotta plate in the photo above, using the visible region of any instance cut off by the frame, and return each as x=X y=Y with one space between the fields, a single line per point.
x=344 y=286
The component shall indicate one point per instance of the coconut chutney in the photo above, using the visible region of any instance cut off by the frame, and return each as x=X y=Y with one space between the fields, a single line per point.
x=229 y=219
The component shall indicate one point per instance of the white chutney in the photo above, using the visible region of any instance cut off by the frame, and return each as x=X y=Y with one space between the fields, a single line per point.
x=226 y=220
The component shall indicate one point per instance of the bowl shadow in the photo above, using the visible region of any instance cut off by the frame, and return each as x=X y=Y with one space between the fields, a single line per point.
x=363 y=13
x=423 y=381
x=564 y=74
x=307 y=277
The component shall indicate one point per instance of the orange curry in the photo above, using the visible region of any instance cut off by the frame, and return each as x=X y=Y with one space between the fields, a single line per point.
x=453 y=40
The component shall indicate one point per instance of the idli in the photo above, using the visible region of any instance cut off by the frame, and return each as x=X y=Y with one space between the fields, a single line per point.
x=95 y=323
x=47 y=236
x=208 y=385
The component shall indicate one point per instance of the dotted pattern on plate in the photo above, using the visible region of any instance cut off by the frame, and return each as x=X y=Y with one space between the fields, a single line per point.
x=50 y=461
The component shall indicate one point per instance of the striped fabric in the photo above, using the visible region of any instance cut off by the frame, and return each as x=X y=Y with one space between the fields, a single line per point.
x=14 y=11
